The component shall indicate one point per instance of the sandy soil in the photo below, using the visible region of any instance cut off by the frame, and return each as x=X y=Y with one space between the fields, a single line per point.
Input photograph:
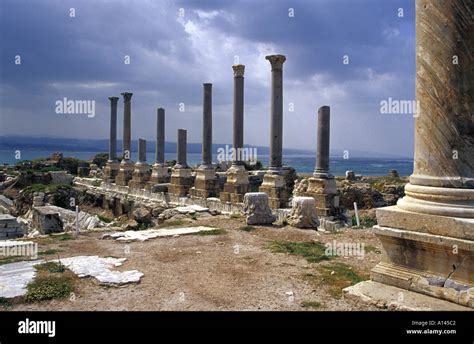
x=232 y=271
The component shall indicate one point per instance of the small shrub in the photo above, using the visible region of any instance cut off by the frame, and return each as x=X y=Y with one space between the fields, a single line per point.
x=53 y=267
x=48 y=288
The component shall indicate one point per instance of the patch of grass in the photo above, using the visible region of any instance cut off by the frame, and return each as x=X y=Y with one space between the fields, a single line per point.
x=49 y=287
x=174 y=223
x=5 y=303
x=338 y=276
x=370 y=248
x=49 y=252
x=216 y=231
x=53 y=267
x=365 y=222
x=65 y=237
x=311 y=304
x=313 y=252
x=247 y=228
x=105 y=219
x=235 y=216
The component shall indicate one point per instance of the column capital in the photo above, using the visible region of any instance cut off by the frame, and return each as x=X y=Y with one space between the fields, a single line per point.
x=127 y=96
x=113 y=99
x=239 y=70
x=276 y=61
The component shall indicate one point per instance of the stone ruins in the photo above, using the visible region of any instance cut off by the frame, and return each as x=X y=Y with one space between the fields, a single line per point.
x=427 y=238
x=224 y=191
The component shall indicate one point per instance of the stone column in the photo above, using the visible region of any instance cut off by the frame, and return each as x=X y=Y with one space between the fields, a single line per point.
x=207 y=127
x=181 y=154
x=127 y=125
x=126 y=166
x=322 y=186
x=276 y=119
x=274 y=182
x=428 y=238
x=141 y=173
x=181 y=178
x=322 y=148
x=205 y=183
x=237 y=177
x=112 y=167
x=238 y=113
x=159 y=174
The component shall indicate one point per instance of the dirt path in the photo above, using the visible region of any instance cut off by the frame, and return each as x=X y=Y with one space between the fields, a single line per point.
x=231 y=271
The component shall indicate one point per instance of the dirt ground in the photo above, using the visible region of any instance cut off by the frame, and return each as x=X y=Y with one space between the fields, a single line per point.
x=231 y=271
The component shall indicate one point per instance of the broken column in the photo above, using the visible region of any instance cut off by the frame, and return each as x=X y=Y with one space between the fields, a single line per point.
x=205 y=184
x=126 y=166
x=112 y=167
x=159 y=172
x=141 y=173
x=257 y=210
x=303 y=213
x=181 y=179
x=237 y=183
x=428 y=237
x=322 y=186
x=274 y=183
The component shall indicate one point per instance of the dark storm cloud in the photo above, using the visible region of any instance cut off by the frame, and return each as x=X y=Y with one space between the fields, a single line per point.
x=83 y=58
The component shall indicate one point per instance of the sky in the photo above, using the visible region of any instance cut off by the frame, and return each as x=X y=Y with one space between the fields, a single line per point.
x=348 y=54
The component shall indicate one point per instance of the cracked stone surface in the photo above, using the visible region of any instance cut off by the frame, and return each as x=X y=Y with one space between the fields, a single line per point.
x=100 y=268
x=155 y=233
x=15 y=277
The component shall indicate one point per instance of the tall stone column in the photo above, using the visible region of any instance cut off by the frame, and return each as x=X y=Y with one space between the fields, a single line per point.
x=428 y=238
x=274 y=182
x=181 y=178
x=322 y=148
x=159 y=172
x=127 y=125
x=207 y=127
x=112 y=167
x=276 y=119
x=237 y=177
x=126 y=166
x=322 y=186
x=141 y=173
x=206 y=179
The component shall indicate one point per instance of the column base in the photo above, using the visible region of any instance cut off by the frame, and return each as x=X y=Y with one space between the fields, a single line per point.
x=205 y=184
x=236 y=186
x=110 y=171
x=181 y=182
x=428 y=254
x=125 y=173
x=159 y=175
x=140 y=176
x=324 y=192
x=274 y=185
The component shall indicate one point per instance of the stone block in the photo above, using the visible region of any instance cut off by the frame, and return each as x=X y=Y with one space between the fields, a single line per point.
x=257 y=209
x=303 y=213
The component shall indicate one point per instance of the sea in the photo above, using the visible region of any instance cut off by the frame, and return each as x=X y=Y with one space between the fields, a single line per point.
x=302 y=163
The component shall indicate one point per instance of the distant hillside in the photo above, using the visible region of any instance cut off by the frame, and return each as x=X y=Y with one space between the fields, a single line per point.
x=10 y=143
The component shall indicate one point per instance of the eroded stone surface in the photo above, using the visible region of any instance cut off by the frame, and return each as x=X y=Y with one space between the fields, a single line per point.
x=303 y=213
x=100 y=268
x=154 y=233
x=15 y=277
x=257 y=210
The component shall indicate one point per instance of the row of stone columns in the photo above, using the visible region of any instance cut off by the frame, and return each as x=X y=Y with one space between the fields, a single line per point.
x=206 y=181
